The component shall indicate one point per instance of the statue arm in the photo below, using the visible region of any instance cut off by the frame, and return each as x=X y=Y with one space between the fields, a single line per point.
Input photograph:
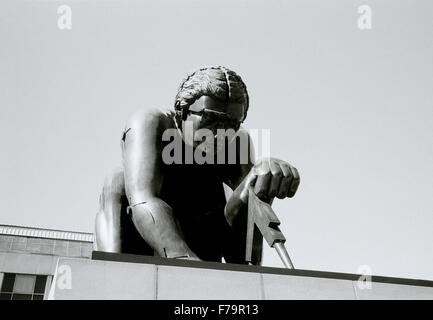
x=268 y=178
x=236 y=209
x=141 y=153
x=239 y=182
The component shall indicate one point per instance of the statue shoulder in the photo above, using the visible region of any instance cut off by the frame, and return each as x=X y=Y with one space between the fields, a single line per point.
x=149 y=120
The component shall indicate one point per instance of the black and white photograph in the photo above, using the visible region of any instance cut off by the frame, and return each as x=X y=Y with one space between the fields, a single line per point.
x=233 y=152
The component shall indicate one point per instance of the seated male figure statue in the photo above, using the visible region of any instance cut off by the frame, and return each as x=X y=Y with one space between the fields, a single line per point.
x=179 y=210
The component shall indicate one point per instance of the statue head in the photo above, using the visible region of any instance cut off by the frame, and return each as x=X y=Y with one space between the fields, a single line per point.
x=211 y=98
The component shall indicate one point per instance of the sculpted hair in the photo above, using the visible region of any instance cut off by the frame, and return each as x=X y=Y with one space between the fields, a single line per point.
x=217 y=82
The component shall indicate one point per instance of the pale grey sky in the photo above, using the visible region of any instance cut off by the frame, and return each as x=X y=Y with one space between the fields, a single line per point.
x=351 y=109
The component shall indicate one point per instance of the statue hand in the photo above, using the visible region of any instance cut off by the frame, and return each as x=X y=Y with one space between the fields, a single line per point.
x=269 y=178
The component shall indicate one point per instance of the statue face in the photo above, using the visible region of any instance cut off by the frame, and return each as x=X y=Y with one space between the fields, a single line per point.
x=212 y=114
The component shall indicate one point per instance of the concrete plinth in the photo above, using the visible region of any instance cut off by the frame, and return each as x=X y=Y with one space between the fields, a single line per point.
x=140 y=277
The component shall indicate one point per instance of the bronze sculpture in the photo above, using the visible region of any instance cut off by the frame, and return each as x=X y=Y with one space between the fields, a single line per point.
x=179 y=210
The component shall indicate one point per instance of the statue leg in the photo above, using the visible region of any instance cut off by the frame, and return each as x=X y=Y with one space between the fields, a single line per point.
x=107 y=224
x=114 y=229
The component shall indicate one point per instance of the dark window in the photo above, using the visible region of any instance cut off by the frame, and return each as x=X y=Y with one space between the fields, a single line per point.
x=5 y=296
x=8 y=282
x=19 y=296
x=40 y=284
x=23 y=287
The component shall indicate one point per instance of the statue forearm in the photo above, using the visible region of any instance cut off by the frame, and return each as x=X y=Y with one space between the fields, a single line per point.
x=155 y=222
x=236 y=215
x=234 y=207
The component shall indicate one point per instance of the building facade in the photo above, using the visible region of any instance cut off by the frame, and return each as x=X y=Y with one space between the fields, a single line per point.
x=38 y=264
x=28 y=259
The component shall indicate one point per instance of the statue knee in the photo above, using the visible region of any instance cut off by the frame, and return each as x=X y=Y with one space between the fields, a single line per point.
x=114 y=186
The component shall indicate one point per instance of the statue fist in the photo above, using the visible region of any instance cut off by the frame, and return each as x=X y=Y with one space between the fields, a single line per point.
x=271 y=178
